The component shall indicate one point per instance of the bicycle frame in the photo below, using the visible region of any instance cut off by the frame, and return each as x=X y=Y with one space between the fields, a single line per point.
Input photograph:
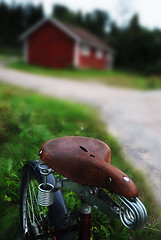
x=133 y=214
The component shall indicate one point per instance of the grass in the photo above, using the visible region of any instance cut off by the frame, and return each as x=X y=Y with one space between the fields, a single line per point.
x=27 y=120
x=109 y=77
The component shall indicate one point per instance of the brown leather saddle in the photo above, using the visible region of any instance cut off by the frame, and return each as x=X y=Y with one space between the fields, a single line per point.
x=86 y=161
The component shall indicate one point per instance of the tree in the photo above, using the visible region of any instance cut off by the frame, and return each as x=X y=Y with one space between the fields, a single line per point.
x=32 y=14
x=94 y=22
x=15 y=19
x=4 y=19
x=137 y=48
x=64 y=14
x=79 y=19
x=100 y=20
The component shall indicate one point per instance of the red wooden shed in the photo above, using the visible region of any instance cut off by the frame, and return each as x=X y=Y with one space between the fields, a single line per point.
x=51 y=43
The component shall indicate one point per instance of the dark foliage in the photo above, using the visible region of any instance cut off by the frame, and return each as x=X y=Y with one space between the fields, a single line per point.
x=95 y=22
x=14 y=19
x=137 y=48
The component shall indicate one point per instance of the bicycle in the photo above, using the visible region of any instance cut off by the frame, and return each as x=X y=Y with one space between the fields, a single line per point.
x=85 y=164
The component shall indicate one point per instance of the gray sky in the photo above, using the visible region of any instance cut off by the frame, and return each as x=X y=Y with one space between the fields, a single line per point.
x=120 y=10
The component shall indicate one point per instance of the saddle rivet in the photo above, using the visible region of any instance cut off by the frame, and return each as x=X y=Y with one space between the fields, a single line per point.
x=126 y=179
x=109 y=180
x=40 y=152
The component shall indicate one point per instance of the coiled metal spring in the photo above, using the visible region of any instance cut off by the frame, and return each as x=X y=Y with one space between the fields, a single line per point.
x=45 y=196
x=45 y=190
x=133 y=214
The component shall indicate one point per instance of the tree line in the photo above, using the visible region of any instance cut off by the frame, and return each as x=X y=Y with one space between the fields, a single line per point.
x=136 y=48
x=15 y=19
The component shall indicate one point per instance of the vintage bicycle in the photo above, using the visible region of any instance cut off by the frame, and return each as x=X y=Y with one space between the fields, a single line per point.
x=85 y=168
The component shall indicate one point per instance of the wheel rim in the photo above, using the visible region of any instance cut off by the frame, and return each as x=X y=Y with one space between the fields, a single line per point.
x=34 y=216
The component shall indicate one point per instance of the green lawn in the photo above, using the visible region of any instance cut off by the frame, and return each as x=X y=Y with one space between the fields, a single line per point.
x=109 y=77
x=27 y=120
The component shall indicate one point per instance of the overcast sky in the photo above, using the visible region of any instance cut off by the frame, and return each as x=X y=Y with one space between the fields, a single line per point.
x=120 y=10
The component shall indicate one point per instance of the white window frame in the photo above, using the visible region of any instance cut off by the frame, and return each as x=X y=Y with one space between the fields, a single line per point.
x=99 y=53
x=85 y=50
x=76 y=55
x=25 y=50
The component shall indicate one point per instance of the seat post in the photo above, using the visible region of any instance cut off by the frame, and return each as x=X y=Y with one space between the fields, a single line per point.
x=85 y=222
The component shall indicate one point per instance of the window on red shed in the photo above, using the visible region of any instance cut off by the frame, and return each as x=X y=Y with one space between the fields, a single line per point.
x=85 y=50
x=99 y=53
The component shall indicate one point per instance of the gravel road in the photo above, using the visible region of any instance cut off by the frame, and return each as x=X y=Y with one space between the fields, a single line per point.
x=133 y=117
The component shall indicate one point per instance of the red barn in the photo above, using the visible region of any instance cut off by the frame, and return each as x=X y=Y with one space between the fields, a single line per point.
x=51 y=43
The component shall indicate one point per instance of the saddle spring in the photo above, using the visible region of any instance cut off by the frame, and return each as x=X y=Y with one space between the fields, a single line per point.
x=45 y=190
x=133 y=214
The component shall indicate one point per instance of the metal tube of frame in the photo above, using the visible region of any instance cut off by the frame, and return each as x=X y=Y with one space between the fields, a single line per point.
x=85 y=222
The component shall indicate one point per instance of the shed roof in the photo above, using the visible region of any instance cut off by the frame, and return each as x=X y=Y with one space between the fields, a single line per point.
x=76 y=33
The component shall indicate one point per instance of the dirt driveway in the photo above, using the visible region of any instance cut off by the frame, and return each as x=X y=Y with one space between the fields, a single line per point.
x=133 y=117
